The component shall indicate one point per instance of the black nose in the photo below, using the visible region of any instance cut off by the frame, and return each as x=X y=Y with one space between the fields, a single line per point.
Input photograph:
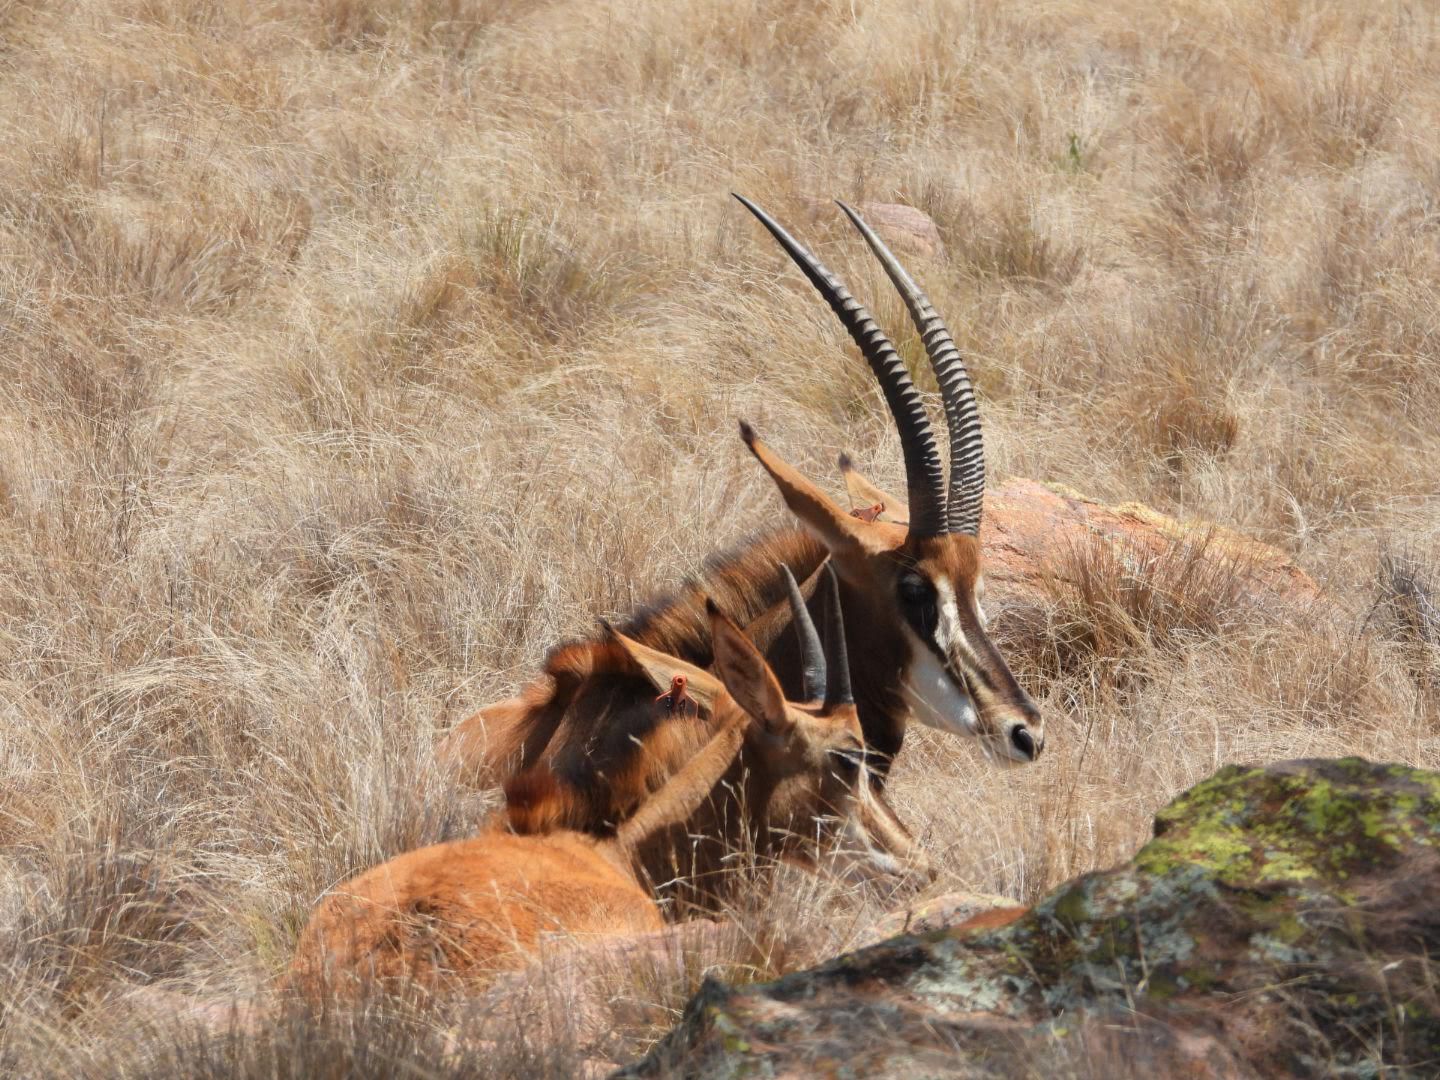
x=1024 y=741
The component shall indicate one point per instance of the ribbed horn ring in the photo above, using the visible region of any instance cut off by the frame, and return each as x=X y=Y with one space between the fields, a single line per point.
x=924 y=481
x=967 y=453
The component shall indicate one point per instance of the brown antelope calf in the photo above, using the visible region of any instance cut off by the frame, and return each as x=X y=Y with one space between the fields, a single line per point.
x=771 y=801
x=776 y=777
x=912 y=589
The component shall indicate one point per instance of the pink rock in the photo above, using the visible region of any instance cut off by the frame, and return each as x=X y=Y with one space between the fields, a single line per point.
x=904 y=228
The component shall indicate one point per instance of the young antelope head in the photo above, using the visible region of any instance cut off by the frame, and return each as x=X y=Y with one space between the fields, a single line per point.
x=914 y=588
x=801 y=782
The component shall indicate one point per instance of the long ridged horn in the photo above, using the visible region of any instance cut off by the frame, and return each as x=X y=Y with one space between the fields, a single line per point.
x=837 y=656
x=813 y=681
x=924 y=479
x=967 y=453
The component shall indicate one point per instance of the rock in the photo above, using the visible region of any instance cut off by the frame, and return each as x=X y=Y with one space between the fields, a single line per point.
x=936 y=913
x=904 y=228
x=1282 y=922
x=1040 y=539
x=1031 y=533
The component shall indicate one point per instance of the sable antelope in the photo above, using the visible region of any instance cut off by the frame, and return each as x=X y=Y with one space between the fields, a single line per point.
x=782 y=778
x=912 y=587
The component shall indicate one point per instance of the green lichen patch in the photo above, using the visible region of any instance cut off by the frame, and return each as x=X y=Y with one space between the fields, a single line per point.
x=1288 y=825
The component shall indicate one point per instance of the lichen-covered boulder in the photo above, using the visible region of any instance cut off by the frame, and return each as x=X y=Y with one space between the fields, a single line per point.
x=1284 y=921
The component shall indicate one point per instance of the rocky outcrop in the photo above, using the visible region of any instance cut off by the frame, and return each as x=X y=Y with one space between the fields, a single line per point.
x=905 y=227
x=1282 y=922
x=1036 y=536
x=1044 y=542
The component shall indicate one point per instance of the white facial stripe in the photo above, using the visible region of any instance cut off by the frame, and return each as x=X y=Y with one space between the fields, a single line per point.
x=932 y=695
x=980 y=603
x=948 y=632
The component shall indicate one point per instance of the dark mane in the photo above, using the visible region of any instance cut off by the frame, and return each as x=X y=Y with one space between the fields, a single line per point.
x=537 y=801
x=594 y=741
x=744 y=581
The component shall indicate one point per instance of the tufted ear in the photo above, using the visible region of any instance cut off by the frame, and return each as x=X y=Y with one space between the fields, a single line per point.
x=661 y=668
x=837 y=530
x=867 y=496
x=746 y=676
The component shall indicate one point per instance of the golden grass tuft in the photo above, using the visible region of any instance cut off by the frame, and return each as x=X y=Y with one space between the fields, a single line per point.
x=1116 y=601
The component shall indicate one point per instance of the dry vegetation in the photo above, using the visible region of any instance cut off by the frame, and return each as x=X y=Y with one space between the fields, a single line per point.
x=355 y=351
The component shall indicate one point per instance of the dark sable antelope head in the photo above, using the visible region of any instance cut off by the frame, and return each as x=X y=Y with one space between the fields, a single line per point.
x=918 y=584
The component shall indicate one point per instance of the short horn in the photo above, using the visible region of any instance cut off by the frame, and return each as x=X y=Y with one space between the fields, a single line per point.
x=812 y=656
x=924 y=479
x=967 y=453
x=837 y=656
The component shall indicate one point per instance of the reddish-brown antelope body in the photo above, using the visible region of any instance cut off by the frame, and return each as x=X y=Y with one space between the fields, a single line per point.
x=468 y=908
x=911 y=582
x=770 y=776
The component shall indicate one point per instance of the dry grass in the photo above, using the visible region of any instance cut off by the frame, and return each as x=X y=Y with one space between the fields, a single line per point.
x=355 y=351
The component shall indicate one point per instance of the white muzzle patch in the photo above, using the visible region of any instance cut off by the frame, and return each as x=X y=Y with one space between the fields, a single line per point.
x=857 y=858
x=933 y=696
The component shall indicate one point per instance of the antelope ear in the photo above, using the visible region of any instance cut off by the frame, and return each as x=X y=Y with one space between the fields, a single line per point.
x=837 y=530
x=661 y=668
x=746 y=676
x=866 y=494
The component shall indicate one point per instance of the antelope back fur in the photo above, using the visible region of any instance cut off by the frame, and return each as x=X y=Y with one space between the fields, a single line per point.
x=585 y=712
x=467 y=910
x=796 y=780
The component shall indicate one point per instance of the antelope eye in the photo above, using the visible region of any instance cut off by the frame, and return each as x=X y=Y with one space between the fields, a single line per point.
x=849 y=760
x=917 y=598
x=914 y=589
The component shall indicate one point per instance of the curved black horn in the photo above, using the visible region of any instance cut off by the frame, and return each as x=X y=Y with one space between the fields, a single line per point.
x=812 y=655
x=967 y=453
x=924 y=480
x=837 y=657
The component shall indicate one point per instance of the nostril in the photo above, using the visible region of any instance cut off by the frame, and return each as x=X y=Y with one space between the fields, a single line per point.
x=1024 y=741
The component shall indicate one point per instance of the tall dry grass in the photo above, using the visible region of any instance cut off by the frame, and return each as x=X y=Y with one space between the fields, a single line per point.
x=355 y=351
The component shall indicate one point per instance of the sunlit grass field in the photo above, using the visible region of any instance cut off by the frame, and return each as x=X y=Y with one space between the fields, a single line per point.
x=353 y=353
